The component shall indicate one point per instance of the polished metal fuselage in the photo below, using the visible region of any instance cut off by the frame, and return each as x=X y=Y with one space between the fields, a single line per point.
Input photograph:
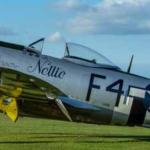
x=87 y=84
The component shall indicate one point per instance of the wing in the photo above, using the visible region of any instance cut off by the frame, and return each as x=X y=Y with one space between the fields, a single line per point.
x=15 y=86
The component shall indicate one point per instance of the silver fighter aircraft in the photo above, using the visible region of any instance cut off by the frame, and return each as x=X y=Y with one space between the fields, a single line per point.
x=83 y=86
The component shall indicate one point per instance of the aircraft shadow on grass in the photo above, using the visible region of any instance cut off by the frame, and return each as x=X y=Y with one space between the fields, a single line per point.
x=90 y=138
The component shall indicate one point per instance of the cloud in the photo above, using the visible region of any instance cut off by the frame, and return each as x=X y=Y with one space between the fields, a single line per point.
x=56 y=38
x=4 y=31
x=70 y=5
x=116 y=17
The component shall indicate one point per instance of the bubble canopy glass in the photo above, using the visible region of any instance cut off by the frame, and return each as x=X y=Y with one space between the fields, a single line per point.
x=79 y=52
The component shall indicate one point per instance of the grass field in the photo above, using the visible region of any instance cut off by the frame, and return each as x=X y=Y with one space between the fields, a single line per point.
x=37 y=134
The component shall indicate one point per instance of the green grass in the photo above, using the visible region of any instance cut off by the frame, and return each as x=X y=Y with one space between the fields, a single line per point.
x=38 y=134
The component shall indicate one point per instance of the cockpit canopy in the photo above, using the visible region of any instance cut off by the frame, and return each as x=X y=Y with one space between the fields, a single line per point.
x=37 y=46
x=85 y=56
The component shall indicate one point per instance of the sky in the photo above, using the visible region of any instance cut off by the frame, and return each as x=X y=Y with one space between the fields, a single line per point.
x=117 y=29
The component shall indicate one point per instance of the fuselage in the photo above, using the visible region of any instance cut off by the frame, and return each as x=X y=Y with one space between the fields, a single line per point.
x=118 y=95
